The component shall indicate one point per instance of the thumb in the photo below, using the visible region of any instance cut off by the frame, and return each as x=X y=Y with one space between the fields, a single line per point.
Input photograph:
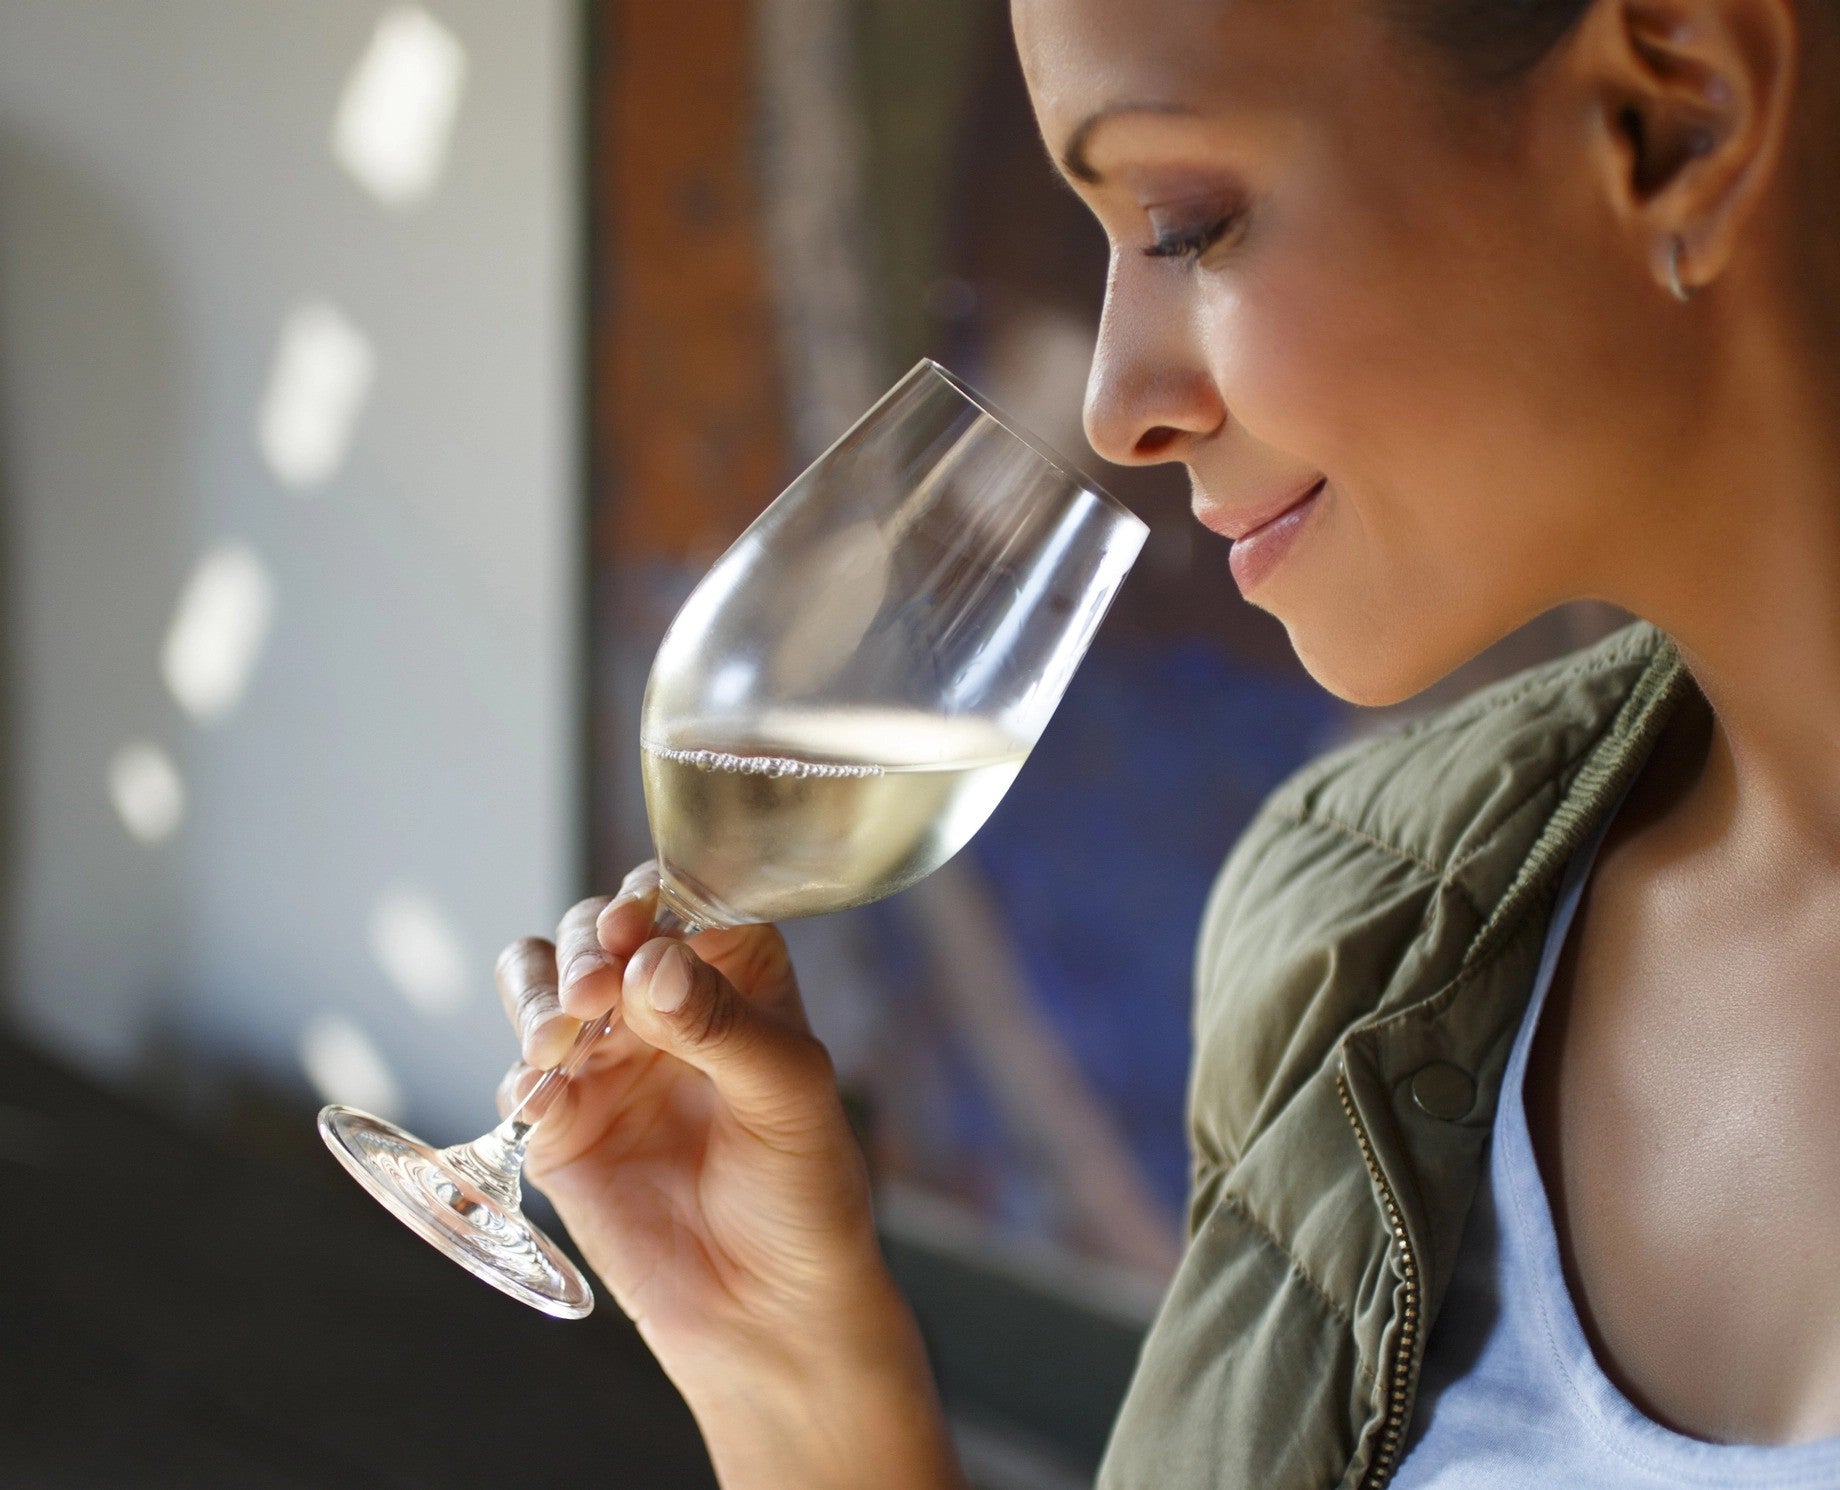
x=775 y=1077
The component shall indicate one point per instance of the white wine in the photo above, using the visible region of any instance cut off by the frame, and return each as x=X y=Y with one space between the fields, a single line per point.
x=796 y=813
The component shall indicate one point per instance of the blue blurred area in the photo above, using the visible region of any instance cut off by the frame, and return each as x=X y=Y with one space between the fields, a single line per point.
x=1102 y=855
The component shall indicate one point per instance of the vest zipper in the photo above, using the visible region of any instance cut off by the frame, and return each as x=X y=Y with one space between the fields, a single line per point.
x=1398 y=1379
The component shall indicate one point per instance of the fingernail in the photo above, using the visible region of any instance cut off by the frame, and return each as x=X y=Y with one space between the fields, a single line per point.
x=639 y=883
x=580 y=966
x=548 y=1039
x=670 y=984
x=618 y=905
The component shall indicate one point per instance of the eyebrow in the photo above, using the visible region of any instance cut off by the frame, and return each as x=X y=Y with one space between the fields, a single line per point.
x=1073 y=158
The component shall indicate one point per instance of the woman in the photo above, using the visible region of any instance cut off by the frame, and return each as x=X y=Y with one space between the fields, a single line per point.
x=1516 y=1110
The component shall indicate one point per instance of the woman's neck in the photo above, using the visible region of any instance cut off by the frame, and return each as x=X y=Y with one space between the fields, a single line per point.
x=1743 y=571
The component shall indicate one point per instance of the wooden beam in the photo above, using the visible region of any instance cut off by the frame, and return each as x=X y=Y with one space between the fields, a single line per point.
x=687 y=427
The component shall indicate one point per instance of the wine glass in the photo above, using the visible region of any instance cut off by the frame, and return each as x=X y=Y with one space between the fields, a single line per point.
x=834 y=711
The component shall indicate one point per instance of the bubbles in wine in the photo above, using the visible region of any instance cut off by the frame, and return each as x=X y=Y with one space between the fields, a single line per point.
x=764 y=765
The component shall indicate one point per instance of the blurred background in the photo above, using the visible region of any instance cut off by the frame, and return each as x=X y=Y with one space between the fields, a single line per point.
x=375 y=380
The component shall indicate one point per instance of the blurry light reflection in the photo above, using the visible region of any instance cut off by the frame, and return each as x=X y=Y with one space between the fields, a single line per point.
x=218 y=631
x=344 y=1066
x=321 y=375
x=415 y=944
x=397 y=111
x=147 y=792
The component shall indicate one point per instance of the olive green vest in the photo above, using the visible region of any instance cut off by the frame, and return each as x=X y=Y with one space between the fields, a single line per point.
x=1365 y=960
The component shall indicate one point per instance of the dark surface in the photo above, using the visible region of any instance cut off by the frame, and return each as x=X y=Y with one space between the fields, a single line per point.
x=186 y=1310
x=1018 y=1356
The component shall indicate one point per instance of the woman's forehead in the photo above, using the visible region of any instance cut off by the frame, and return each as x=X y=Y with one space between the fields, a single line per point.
x=1083 y=56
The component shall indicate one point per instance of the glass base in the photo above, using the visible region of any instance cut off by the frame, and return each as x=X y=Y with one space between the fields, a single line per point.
x=446 y=1208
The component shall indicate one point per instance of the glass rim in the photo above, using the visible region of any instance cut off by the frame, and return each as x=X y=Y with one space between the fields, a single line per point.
x=1020 y=431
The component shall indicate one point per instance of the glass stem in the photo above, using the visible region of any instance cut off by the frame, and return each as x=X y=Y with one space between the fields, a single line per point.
x=495 y=1161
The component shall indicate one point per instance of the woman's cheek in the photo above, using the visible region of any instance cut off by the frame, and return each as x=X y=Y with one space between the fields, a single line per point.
x=1346 y=339
x=1286 y=381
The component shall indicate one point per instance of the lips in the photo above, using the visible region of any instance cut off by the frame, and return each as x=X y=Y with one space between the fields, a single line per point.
x=1240 y=522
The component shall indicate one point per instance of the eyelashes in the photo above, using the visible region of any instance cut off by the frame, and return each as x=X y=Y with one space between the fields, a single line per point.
x=1191 y=243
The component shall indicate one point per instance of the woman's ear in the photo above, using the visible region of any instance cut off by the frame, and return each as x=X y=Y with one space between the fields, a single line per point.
x=1691 y=104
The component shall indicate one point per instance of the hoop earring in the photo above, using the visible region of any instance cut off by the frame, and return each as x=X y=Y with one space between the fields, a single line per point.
x=1676 y=285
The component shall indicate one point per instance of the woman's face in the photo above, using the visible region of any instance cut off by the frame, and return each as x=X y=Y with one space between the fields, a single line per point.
x=1332 y=261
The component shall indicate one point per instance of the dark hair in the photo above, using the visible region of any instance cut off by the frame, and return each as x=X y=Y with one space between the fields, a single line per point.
x=1493 y=41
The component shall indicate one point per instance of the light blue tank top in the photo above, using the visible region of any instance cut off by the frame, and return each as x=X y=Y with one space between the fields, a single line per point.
x=1511 y=1396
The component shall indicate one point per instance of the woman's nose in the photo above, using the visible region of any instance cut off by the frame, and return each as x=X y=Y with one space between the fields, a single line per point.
x=1149 y=392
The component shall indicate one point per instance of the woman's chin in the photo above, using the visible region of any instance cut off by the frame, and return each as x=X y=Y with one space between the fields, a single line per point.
x=1373 y=671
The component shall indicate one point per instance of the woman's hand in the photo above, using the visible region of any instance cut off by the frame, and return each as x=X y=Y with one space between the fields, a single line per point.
x=702 y=1161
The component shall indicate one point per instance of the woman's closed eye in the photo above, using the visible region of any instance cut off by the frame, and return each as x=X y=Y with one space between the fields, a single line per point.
x=1192 y=239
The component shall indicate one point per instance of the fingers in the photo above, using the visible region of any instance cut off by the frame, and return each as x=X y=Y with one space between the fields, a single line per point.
x=515 y=1086
x=526 y=978
x=602 y=934
x=588 y=978
x=547 y=988
x=754 y=958
x=773 y=1075
x=626 y=920
x=757 y=961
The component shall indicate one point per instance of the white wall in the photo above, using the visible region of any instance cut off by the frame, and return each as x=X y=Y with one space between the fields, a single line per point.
x=168 y=193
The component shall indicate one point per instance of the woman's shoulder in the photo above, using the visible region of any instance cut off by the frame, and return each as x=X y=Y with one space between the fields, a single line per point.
x=1359 y=853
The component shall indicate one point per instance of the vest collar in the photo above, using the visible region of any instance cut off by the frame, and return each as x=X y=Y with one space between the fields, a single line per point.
x=1658 y=691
